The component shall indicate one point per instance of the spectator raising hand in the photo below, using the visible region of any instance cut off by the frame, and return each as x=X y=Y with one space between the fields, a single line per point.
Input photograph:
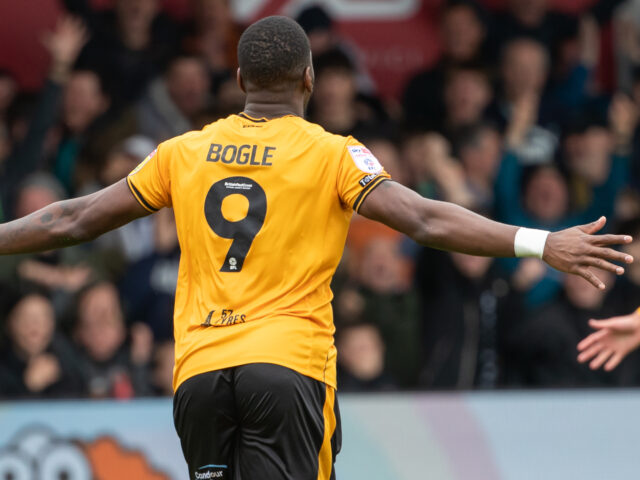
x=623 y=118
x=523 y=117
x=613 y=340
x=445 y=171
x=64 y=45
x=589 y=41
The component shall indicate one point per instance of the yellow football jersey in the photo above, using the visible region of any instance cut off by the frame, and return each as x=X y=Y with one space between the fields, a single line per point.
x=262 y=211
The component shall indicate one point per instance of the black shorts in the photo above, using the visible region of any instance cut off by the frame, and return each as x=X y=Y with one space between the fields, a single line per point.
x=257 y=422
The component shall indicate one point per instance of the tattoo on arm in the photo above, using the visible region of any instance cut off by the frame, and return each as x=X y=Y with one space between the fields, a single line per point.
x=70 y=222
x=49 y=228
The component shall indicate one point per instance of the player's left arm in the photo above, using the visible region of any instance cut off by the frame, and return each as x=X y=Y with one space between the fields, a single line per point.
x=447 y=226
x=70 y=222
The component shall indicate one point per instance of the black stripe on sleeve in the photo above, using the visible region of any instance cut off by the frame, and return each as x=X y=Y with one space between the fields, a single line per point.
x=366 y=191
x=139 y=197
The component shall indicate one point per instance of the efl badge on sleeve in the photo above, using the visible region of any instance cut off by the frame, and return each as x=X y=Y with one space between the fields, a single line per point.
x=144 y=162
x=364 y=159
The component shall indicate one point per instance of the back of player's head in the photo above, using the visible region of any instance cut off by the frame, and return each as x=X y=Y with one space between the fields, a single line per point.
x=273 y=53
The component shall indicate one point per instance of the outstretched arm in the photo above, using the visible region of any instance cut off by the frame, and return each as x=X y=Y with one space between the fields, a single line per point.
x=70 y=222
x=613 y=340
x=447 y=226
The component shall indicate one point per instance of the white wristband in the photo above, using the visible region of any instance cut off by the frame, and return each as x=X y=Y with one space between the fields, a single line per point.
x=529 y=242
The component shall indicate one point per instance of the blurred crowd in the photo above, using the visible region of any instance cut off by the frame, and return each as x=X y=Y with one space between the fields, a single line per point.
x=514 y=121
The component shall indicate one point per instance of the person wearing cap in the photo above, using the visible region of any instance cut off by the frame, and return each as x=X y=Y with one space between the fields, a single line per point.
x=323 y=37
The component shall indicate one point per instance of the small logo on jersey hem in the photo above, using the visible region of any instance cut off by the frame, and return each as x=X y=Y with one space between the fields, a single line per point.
x=367 y=180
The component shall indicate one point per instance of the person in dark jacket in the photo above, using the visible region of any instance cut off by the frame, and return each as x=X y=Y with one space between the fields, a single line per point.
x=112 y=366
x=463 y=33
x=543 y=347
x=38 y=362
x=468 y=309
x=130 y=44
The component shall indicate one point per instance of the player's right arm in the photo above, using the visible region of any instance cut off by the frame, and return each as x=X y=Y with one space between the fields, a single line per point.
x=447 y=226
x=70 y=222
x=62 y=224
x=613 y=340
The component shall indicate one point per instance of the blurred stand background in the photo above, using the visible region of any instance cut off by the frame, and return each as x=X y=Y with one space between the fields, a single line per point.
x=522 y=110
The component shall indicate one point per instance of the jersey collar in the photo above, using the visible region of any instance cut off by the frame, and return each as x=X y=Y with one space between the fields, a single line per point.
x=262 y=119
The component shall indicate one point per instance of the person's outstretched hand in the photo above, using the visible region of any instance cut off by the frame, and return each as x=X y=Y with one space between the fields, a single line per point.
x=578 y=250
x=613 y=339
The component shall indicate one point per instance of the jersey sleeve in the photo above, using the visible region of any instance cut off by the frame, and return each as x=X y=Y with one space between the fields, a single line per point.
x=150 y=182
x=359 y=174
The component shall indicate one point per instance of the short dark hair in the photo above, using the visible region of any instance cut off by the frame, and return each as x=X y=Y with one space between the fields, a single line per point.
x=468 y=67
x=273 y=52
x=101 y=79
x=314 y=19
x=478 y=10
x=332 y=60
x=470 y=135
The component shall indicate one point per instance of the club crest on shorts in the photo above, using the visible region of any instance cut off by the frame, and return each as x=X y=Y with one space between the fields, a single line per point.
x=364 y=159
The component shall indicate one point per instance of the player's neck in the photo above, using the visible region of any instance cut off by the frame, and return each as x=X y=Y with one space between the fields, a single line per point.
x=273 y=107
